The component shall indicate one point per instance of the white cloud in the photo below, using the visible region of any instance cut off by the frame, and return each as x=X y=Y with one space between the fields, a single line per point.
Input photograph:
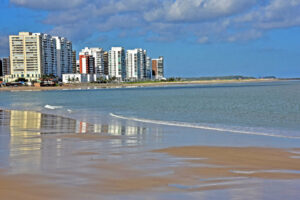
x=198 y=10
x=169 y=20
x=47 y=4
x=203 y=39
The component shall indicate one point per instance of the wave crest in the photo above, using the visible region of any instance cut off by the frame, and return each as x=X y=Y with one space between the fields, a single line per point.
x=196 y=126
x=52 y=107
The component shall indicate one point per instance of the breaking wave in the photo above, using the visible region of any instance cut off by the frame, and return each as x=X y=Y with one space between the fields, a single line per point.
x=52 y=107
x=204 y=127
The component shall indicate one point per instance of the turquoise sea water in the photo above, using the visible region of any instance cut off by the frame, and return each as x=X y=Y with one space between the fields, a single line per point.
x=269 y=109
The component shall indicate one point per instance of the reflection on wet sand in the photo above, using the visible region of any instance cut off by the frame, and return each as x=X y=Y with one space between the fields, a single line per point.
x=41 y=123
x=44 y=156
x=33 y=137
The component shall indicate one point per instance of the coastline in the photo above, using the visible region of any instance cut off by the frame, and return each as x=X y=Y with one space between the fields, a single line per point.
x=84 y=86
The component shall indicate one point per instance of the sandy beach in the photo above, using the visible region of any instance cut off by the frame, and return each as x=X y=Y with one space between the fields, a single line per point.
x=204 y=169
x=84 y=86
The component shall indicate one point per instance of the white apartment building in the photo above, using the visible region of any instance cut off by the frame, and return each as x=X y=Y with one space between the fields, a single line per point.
x=132 y=64
x=98 y=54
x=35 y=54
x=25 y=56
x=117 y=63
x=49 y=54
x=136 y=64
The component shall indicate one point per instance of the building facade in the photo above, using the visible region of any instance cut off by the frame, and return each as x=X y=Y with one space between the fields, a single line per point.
x=117 y=63
x=74 y=61
x=6 y=66
x=158 y=68
x=132 y=64
x=142 y=74
x=25 y=56
x=64 y=56
x=87 y=64
x=98 y=55
x=148 y=68
x=79 y=78
x=49 y=54
x=105 y=58
x=35 y=54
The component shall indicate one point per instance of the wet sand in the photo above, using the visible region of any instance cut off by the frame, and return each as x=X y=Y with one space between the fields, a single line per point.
x=269 y=163
x=30 y=187
x=73 y=165
x=204 y=169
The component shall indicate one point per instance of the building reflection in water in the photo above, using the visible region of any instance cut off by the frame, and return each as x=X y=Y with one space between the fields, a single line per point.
x=25 y=141
x=24 y=144
x=4 y=138
x=115 y=127
x=24 y=130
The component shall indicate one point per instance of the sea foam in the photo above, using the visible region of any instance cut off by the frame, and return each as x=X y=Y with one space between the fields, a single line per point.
x=50 y=107
x=196 y=126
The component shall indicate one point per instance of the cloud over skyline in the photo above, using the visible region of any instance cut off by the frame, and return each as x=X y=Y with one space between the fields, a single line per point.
x=214 y=20
x=193 y=25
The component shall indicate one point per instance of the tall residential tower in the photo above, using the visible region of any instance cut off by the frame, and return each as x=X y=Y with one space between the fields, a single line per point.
x=132 y=64
x=25 y=56
x=49 y=54
x=117 y=63
x=158 y=68
x=64 y=56
x=98 y=55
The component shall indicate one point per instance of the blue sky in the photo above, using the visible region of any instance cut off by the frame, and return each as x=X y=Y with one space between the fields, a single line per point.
x=196 y=37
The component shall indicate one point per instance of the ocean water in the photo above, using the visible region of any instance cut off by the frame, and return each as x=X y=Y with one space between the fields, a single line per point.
x=267 y=109
x=144 y=119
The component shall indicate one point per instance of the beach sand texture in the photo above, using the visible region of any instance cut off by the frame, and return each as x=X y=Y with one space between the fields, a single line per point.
x=204 y=168
x=65 y=164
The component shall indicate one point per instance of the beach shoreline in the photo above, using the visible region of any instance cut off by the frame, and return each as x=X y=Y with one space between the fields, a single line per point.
x=84 y=86
x=116 y=172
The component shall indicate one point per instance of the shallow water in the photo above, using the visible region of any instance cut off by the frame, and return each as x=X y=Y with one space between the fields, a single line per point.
x=271 y=108
x=75 y=130
x=45 y=145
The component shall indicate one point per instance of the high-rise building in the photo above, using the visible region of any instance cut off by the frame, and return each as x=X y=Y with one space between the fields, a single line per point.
x=132 y=64
x=87 y=64
x=148 y=68
x=98 y=55
x=74 y=61
x=117 y=63
x=143 y=60
x=5 y=66
x=158 y=68
x=25 y=56
x=64 y=56
x=105 y=58
x=49 y=54
x=32 y=55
